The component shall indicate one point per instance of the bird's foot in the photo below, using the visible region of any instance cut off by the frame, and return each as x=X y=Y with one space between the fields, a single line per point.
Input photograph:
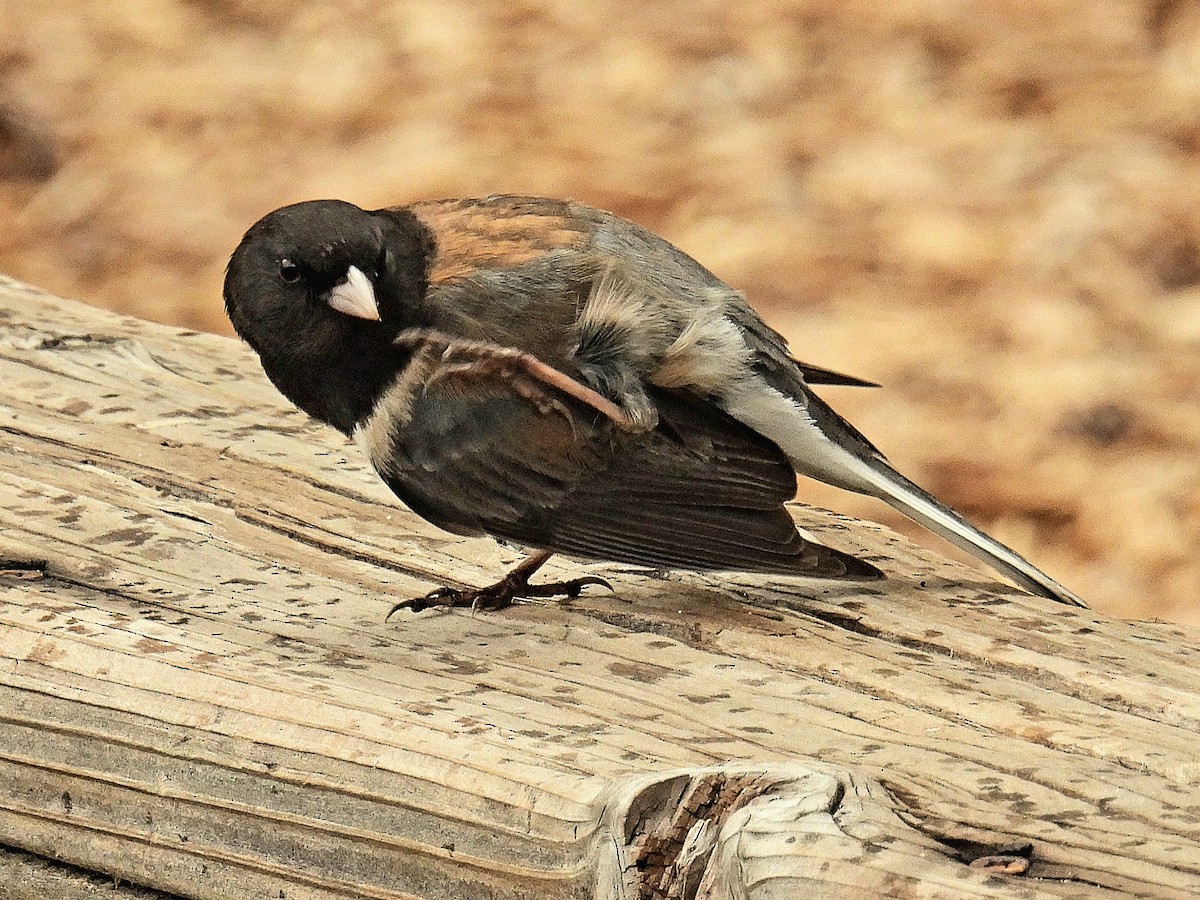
x=498 y=595
x=524 y=372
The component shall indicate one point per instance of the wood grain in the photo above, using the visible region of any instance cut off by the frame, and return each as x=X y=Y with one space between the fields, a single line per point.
x=199 y=695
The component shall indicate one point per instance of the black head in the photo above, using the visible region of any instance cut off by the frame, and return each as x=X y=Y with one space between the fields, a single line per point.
x=305 y=289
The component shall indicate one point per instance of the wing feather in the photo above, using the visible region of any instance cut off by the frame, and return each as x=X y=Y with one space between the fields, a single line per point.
x=700 y=491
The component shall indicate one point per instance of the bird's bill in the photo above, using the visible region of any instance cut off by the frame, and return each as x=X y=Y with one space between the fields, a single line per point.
x=355 y=296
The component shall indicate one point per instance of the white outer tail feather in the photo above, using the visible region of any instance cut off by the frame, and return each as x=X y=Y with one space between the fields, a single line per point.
x=893 y=488
x=819 y=455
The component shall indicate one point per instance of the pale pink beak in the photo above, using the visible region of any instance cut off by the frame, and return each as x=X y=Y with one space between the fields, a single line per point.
x=355 y=296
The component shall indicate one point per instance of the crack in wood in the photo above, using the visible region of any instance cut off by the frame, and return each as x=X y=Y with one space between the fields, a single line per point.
x=673 y=856
x=722 y=831
x=118 y=345
x=690 y=634
x=42 y=877
x=23 y=568
x=974 y=851
x=965 y=849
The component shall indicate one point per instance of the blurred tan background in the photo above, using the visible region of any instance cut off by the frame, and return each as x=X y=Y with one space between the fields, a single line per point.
x=992 y=208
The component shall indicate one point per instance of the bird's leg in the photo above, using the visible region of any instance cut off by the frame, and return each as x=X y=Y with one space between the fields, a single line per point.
x=461 y=357
x=503 y=592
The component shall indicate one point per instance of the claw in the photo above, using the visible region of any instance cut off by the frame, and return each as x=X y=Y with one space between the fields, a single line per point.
x=498 y=595
x=443 y=596
x=571 y=589
x=410 y=604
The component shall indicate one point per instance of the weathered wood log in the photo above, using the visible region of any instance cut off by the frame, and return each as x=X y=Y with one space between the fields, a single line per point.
x=199 y=694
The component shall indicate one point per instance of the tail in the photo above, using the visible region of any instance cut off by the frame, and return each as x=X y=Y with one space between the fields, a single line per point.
x=893 y=488
x=823 y=445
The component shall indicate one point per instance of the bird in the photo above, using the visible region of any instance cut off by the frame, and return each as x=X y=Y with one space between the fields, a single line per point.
x=565 y=380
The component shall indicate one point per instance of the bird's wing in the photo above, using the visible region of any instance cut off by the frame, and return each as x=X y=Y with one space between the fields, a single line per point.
x=502 y=232
x=699 y=491
x=480 y=449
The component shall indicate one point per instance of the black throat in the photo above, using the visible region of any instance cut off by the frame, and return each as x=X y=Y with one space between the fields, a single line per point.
x=340 y=386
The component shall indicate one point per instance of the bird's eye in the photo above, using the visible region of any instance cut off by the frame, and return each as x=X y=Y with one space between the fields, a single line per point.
x=289 y=272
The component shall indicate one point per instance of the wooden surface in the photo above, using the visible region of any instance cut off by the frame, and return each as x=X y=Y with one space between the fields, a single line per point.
x=199 y=695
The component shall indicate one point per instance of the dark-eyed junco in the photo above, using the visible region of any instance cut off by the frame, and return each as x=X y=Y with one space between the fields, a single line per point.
x=558 y=377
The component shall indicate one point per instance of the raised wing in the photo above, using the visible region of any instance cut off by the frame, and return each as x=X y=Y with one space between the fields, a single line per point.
x=492 y=448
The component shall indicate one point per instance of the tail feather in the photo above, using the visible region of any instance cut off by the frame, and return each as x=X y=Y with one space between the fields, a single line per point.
x=823 y=445
x=893 y=488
